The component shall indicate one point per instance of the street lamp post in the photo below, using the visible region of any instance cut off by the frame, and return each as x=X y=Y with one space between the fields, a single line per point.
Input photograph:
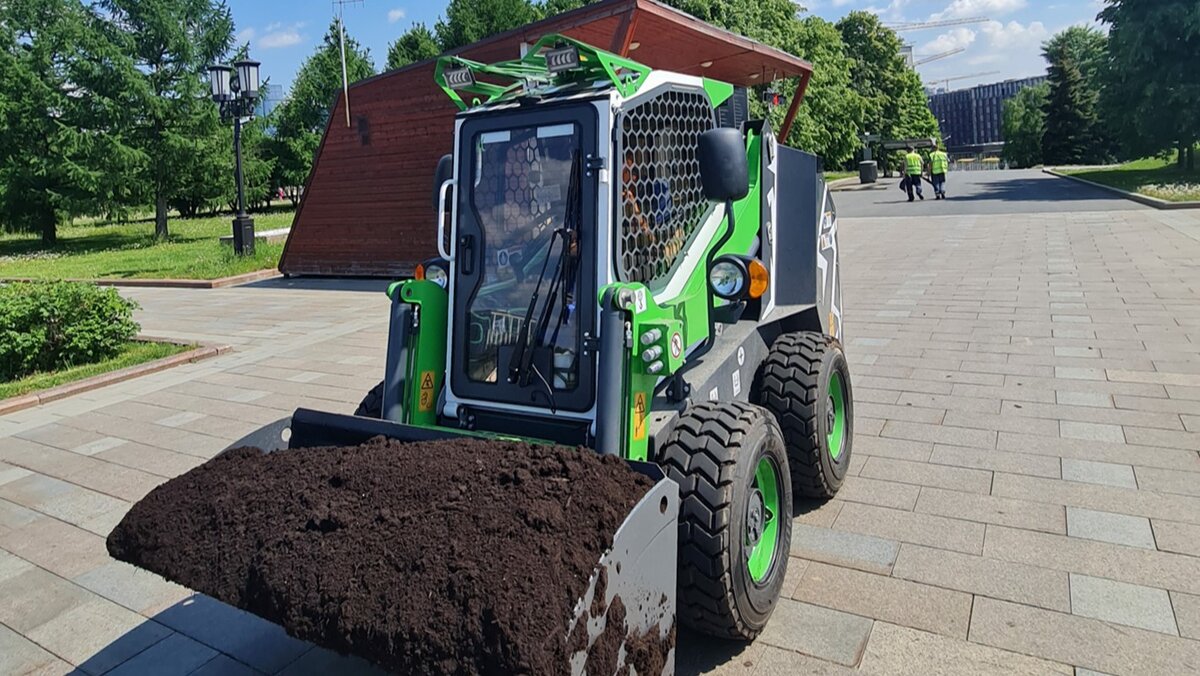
x=236 y=100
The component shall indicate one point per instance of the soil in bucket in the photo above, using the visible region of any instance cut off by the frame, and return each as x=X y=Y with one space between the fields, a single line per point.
x=460 y=556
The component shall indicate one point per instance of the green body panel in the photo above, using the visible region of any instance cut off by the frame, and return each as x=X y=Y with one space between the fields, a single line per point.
x=685 y=314
x=529 y=74
x=718 y=92
x=426 y=368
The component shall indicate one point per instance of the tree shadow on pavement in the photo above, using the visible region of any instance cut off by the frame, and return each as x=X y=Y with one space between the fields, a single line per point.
x=1033 y=190
x=359 y=284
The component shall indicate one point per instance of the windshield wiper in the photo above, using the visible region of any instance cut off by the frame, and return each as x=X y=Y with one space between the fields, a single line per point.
x=521 y=367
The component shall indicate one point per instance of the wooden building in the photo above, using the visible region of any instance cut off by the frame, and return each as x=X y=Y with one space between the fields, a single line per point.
x=367 y=209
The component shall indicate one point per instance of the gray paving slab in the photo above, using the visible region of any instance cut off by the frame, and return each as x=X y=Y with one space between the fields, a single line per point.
x=1081 y=641
x=998 y=579
x=851 y=550
x=19 y=655
x=1105 y=473
x=1092 y=557
x=821 y=632
x=133 y=588
x=1119 y=529
x=1171 y=536
x=904 y=651
x=891 y=599
x=1122 y=603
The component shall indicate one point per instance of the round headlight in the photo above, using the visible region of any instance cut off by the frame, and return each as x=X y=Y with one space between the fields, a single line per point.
x=437 y=273
x=727 y=279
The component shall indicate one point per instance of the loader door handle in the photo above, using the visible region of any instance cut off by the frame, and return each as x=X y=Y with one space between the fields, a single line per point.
x=466 y=254
x=441 y=216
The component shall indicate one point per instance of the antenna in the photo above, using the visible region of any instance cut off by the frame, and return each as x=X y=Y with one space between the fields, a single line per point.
x=338 y=7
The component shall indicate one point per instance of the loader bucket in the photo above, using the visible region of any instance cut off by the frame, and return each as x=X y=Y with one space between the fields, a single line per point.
x=626 y=617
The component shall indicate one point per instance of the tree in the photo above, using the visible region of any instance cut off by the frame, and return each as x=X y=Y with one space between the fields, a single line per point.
x=1087 y=48
x=828 y=122
x=1070 y=116
x=470 y=21
x=417 y=44
x=895 y=103
x=1151 y=83
x=61 y=83
x=171 y=42
x=1024 y=123
x=303 y=117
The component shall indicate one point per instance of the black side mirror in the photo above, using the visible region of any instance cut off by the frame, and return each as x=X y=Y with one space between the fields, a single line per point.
x=444 y=172
x=724 y=172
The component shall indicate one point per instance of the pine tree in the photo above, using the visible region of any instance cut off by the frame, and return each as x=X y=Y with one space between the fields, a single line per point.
x=417 y=44
x=172 y=42
x=62 y=88
x=1070 y=116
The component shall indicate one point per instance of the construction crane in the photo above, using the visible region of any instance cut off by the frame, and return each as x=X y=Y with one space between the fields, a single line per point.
x=922 y=25
x=947 y=80
x=922 y=60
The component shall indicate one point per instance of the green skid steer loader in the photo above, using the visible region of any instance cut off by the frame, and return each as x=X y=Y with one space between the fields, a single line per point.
x=629 y=265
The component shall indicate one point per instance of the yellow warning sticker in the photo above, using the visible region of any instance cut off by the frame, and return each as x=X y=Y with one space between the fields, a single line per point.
x=639 y=416
x=426 y=401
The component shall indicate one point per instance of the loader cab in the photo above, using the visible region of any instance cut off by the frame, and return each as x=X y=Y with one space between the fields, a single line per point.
x=523 y=267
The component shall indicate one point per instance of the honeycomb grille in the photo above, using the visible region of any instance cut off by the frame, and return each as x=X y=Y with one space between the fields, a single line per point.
x=661 y=202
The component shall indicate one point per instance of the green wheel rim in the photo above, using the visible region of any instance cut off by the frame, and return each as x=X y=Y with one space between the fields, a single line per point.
x=762 y=532
x=836 y=437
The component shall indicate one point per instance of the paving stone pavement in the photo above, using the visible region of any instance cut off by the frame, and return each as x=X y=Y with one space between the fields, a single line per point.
x=1022 y=496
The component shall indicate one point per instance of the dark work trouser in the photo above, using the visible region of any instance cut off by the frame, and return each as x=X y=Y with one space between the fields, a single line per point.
x=939 y=184
x=914 y=182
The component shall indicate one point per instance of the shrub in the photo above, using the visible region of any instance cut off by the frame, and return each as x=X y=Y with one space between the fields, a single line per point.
x=46 y=326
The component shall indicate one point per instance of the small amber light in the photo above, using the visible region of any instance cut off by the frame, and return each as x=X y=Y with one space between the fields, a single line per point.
x=759 y=278
x=419 y=272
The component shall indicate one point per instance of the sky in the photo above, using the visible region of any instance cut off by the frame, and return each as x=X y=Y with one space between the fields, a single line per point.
x=1006 y=46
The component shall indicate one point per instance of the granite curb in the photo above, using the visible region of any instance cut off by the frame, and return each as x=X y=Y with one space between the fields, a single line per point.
x=219 y=283
x=24 y=401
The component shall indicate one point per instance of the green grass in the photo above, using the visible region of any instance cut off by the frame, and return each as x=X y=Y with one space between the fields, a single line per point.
x=1155 y=177
x=838 y=175
x=130 y=251
x=134 y=353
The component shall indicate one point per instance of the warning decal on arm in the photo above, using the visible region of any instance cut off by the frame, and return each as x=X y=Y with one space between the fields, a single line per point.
x=425 y=404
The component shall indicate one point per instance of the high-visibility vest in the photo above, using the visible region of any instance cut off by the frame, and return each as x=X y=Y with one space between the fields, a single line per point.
x=913 y=160
x=939 y=161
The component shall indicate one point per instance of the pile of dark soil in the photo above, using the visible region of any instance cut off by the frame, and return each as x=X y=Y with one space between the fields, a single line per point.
x=456 y=557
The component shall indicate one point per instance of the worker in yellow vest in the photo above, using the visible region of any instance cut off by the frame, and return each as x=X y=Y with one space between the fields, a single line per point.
x=913 y=166
x=939 y=164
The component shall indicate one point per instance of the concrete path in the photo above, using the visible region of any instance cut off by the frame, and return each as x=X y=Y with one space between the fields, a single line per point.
x=1024 y=493
x=993 y=193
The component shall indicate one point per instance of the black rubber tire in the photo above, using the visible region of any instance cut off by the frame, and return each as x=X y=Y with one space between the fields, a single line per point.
x=712 y=453
x=372 y=405
x=793 y=384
